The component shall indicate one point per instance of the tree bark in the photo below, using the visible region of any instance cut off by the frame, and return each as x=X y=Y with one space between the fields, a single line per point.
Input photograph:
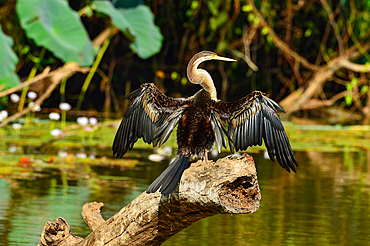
x=206 y=188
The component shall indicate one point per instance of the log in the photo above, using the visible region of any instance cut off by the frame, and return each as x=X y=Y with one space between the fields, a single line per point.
x=229 y=186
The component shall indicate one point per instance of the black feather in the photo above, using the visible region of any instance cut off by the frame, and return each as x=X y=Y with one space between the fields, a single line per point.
x=238 y=137
x=170 y=177
x=244 y=136
x=269 y=134
x=251 y=130
x=261 y=128
x=280 y=153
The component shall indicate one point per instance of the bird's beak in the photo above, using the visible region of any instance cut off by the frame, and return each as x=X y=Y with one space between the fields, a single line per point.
x=217 y=57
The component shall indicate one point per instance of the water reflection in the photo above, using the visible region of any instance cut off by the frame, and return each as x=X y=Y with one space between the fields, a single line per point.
x=325 y=203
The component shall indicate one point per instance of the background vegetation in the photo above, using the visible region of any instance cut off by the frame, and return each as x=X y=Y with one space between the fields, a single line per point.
x=311 y=55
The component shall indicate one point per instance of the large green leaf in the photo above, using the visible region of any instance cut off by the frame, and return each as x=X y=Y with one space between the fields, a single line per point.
x=9 y=80
x=54 y=25
x=137 y=23
x=118 y=19
x=8 y=61
x=148 y=40
x=126 y=3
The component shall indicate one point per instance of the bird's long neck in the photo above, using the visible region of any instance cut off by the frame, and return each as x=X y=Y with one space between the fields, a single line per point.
x=202 y=77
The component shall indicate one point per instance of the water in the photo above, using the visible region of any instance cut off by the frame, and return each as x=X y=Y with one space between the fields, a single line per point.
x=325 y=203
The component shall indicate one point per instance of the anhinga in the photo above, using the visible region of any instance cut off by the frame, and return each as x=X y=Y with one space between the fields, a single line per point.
x=152 y=116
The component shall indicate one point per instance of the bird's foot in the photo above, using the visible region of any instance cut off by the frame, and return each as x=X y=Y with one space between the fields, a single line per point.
x=205 y=156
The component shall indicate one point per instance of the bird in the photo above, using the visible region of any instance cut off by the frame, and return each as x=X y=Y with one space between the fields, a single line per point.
x=203 y=121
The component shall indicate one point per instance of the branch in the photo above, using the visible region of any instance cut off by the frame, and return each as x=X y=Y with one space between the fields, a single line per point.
x=296 y=100
x=92 y=216
x=228 y=186
x=104 y=35
x=66 y=71
x=279 y=43
x=41 y=76
x=56 y=77
x=333 y=24
x=359 y=68
x=316 y=103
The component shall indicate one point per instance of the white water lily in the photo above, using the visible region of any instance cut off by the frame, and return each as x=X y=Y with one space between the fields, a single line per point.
x=81 y=156
x=31 y=95
x=214 y=153
x=36 y=108
x=14 y=98
x=167 y=151
x=3 y=114
x=93 y=121
x=56 y=132
x=236 y=154
x=54 y=116
x=156 y=157
x=13 y=149
x=17 y=126
x=62 y=153
x=82 y=121
x=65 y=106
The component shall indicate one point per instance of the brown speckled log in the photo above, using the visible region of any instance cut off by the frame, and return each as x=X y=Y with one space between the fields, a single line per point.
x=228 y=186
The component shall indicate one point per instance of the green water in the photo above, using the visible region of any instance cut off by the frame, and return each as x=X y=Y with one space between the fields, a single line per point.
x=326 y=203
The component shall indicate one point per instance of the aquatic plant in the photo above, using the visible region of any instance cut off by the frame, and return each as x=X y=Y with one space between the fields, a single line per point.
x=64 y=107
x=93 y=121
x=32 y=95
x=17 y=127
x=14 y=98
x=82 y=121
x=3 y=115
x=56 y=132
x=53 y=116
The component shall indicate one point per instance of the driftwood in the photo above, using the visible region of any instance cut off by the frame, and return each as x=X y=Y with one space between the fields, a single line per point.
x=228 y=186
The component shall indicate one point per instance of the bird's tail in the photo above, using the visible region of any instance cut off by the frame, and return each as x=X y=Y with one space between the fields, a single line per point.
x=170 y=177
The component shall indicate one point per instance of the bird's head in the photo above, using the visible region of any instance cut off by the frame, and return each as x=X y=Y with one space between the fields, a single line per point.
x=207 y=56
x=201 y=76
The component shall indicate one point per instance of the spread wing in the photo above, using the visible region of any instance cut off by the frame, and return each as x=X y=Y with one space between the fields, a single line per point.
x=218 y=130
x=151 y=115
x=254 y=118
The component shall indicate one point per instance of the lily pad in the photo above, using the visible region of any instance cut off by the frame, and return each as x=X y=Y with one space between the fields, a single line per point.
x=137 y=23
x=8 y=62
x=55 y=26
